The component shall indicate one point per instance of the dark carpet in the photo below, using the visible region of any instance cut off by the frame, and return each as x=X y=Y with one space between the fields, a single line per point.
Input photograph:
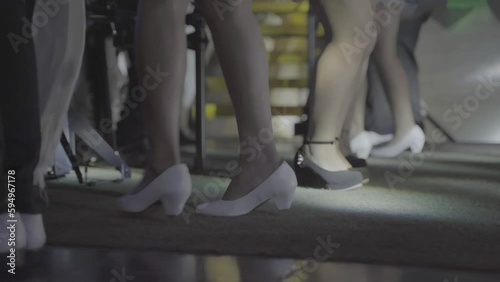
x=442 y=209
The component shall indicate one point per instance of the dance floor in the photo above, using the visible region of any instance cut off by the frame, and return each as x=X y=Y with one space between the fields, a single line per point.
x=439 y=209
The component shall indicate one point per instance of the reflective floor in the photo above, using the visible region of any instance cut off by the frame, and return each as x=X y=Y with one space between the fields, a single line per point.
x=85 y=265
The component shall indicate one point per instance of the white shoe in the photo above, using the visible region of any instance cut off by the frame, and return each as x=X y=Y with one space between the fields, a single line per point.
x=35 y=230
x=413 y=140
x=12 y=228
x=172 y=188
x=377 y=139
x=362 y=144
x=279 y=187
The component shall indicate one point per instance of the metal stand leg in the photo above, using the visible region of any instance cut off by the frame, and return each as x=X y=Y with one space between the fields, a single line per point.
x=201 y=41
x=72 y=158
x=98 y=68
x=95 y=141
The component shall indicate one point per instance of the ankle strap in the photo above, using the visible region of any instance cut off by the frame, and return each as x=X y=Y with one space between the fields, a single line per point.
x=308 y=142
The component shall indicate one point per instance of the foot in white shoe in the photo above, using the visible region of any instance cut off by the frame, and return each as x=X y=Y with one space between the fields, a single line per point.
x=35 y=231
x=172 y=188
x=361 y=145
x=279 y=187
x=413 y=140
x=377 y=139
x=12 y=233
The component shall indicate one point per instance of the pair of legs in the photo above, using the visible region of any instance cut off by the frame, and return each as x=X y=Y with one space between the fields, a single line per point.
x=341 y=76
x=161 y=45
x=394 y=79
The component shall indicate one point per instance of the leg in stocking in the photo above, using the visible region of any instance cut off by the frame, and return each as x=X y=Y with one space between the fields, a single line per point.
x=357 y=123
x=340 y=69
x=394 y=77
x=240 y=48
x=355 y=120
x=161 y=64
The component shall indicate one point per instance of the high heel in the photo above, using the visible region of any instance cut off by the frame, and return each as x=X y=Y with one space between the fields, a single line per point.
x=377 y=139
x=413 y=140
x=279 y=187
x=172 y=188
x=283 y=201
x=311 y=175
x=363 y=143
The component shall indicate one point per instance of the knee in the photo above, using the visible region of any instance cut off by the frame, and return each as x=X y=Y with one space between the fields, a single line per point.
x=358 y=45
x=357 y=51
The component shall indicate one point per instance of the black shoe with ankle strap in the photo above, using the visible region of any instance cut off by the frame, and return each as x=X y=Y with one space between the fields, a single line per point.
x=311 y=175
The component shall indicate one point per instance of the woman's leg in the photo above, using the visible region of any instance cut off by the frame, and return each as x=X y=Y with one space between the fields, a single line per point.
x=339 y=72
x=394 y=76
x=240 y=49
x=161 y=64
x=357 y=121
x=354 y=122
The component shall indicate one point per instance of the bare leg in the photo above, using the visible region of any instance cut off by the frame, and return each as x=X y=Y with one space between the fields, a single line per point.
x=355 y=120
x=161 y=48
x=357 y=123
x=394 y=77
x=340 y=70
x=240 y=48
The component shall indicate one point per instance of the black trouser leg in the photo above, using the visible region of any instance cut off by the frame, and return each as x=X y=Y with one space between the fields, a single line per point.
x=20 y=128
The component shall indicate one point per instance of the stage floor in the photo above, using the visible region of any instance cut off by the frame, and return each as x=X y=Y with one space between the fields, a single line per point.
x=432 y=217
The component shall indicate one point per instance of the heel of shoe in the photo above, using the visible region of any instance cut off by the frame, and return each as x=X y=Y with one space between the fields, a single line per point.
x=306 y=177
x=361 y=145
x=418 y=145
x=363 y=153
x=284 y=201
x=173 y=205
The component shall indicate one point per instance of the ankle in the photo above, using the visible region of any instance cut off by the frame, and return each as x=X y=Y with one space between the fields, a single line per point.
x=403 y=129
x=157 y=167
x=264 y=157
